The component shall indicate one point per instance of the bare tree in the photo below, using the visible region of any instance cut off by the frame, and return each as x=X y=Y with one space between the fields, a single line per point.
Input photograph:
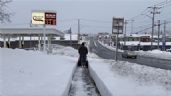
x=4 y=14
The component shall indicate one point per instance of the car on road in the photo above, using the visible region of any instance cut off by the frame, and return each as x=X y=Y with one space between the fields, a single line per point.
x=129 y=54
x=168 y=50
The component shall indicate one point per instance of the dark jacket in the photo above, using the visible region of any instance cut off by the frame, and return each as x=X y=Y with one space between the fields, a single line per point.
x=83 y=51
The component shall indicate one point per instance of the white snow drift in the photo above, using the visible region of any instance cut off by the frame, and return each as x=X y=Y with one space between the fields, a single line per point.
x=32 y=73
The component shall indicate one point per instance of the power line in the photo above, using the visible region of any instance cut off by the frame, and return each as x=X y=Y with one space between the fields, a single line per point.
x=95 y=21
x=83 y=25
x=145 y=11
x=168 y=22
x=163 y=4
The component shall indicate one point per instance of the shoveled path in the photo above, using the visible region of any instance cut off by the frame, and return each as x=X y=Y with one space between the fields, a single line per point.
x=82 y=84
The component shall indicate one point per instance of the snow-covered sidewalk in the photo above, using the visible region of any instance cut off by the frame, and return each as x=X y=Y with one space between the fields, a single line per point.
x=33 y=73
x=128 y=79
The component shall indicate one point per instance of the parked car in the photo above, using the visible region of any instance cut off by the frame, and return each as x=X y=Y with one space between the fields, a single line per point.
x=129 y=54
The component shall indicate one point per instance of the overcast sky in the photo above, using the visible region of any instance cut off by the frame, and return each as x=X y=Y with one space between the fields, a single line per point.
x=95 y=15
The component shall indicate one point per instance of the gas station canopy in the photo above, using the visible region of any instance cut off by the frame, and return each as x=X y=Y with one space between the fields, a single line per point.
x=29 y=32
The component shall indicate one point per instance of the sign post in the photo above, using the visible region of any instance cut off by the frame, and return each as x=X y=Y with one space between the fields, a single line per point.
x=50 y=19
x=44 y=37
x=117 y=28
x=44 y=18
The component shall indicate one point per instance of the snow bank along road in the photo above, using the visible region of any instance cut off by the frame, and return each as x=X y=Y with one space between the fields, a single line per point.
x=106 y=53
x=129 y=79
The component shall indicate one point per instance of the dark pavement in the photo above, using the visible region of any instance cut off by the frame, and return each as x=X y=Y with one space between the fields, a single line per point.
x=110 y=54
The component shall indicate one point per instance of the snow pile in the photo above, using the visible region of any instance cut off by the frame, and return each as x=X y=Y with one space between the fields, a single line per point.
x=67 y=51
x=143 y=73
x=156 y=54
x=32 y=73
x=128 y=79
x=92 y=55
x=110 y=47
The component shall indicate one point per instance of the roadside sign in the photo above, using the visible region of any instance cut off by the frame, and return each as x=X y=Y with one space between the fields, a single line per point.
x=117 y=28
x=117 y=25
x=50 y=18
x=43 y=18
x=38 y=18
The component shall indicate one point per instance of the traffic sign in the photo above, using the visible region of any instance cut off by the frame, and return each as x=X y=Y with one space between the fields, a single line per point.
x=117 y=25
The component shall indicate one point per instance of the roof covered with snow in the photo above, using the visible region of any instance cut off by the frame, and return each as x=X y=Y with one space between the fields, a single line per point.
x=30 y=31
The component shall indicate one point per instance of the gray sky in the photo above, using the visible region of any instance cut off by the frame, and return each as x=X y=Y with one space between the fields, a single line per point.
x=96 y=15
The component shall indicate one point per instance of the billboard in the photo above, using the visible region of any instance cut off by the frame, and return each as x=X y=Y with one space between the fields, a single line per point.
x=41 y=18
x=50 y=18
x=117 y=25
x=38 y=18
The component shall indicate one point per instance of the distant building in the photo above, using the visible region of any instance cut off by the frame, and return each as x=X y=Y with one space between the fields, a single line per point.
x=143 y=42
x=104 y=37
x=135 y=41
x=26 y=37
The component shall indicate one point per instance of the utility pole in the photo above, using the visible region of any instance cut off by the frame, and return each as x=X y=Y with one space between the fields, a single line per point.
x=78 y=30
x=132 y=26
x=164 y=37
x=158 y=43
x=153 y=12
x=125 y=33
x=116 y=53
x=70 y=37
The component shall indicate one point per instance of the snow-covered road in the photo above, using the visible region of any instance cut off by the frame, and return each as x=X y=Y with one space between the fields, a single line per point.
x=82 y=84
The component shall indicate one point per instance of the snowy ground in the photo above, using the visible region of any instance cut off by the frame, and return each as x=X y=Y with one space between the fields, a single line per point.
x=156 y=54
x=128 y=79
x=33 y=73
